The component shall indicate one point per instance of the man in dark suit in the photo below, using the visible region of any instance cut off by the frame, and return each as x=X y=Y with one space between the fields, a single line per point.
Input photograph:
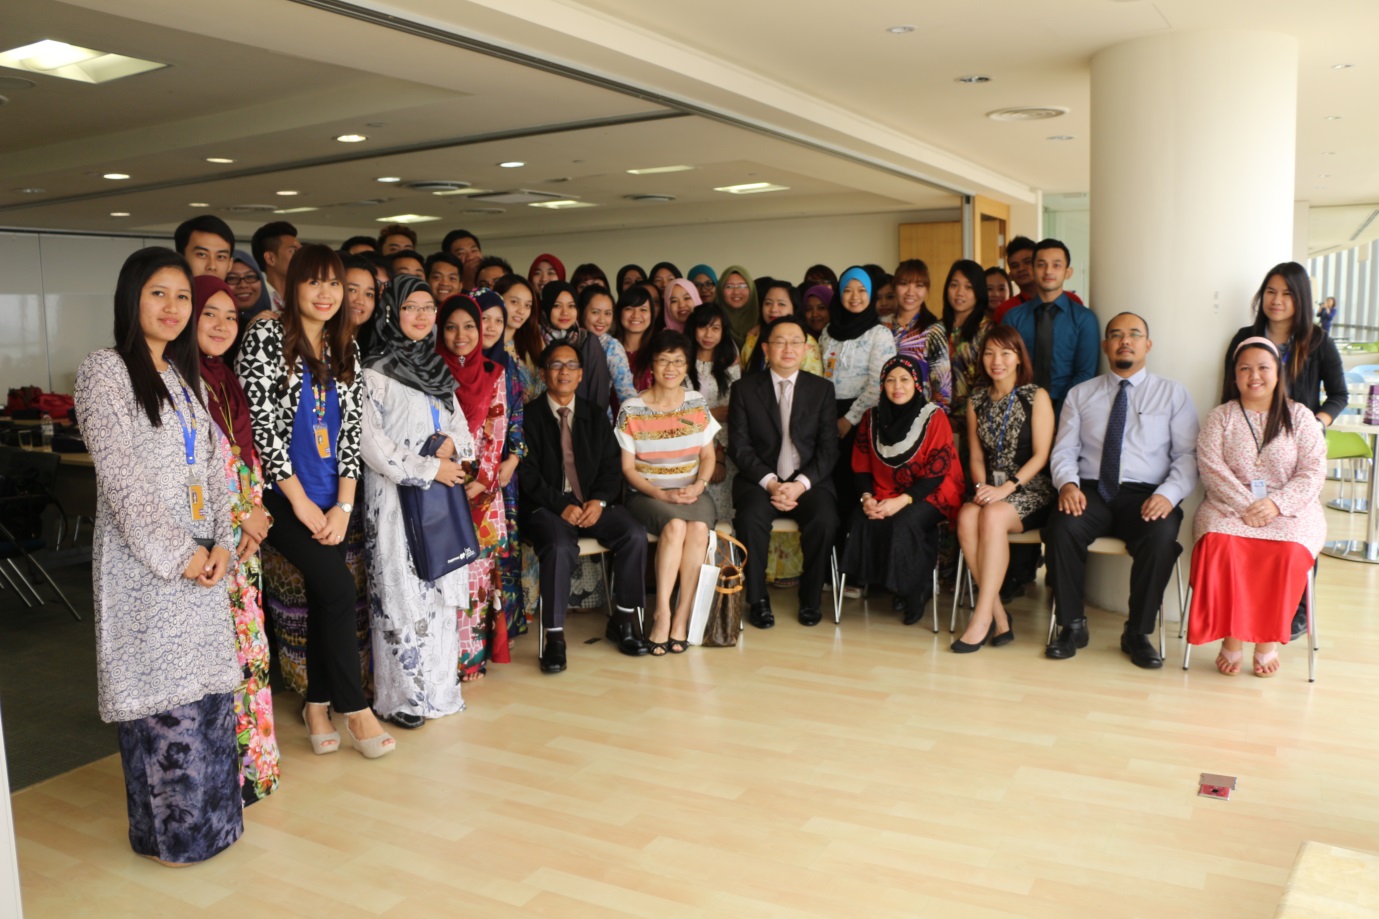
x=784 y=470
x=568 y=480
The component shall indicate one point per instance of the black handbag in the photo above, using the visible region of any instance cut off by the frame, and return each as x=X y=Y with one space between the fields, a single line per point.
x=438 y=524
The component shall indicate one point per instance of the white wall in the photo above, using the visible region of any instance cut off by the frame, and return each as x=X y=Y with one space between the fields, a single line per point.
x=767 y=248
x=10 y=905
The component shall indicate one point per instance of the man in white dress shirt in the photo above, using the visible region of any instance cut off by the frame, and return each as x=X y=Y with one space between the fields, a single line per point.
x=1123 y=460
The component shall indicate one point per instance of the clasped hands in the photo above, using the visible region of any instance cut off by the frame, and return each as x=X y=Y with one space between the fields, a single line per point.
x=1259 y=513
x=880 y=510
x=687 y=495
x=207 y=567
x=784 y=495
x=585 y=515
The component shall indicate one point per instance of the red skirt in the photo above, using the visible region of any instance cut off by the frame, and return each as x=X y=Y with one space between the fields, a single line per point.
x=1245 y=588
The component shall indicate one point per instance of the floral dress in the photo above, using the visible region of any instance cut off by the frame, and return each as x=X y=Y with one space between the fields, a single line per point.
x=929 y=346
x=258 y=744
x=1006 y=429
x=484 y=627
x=619 y=369
x=510 y=557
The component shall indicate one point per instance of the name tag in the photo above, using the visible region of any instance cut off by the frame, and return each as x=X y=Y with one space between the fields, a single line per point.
x=998 y=478
x=322 y=440
x=1259 y=488
x=196 y=496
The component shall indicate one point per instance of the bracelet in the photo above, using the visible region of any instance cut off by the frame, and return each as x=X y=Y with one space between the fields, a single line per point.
x=865 y=496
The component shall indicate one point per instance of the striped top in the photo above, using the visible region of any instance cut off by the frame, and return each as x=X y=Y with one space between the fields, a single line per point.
x=666 y=444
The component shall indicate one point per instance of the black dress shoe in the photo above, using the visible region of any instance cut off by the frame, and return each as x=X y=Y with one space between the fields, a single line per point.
x=810 y=615
x=1299 y=630
x=1141 y=650
x=761 y=615
x=622 y=632
x=553 y=658
x=914 y=609
x=961 y=647
x=898 y=604
x=405 y=720
x=1070 y=637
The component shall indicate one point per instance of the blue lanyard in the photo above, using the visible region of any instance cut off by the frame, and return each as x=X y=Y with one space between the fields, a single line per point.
x=188 y=427
x=435 y=413
x=1000 y=440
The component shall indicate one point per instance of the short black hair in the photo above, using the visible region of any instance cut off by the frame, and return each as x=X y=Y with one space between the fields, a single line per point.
x=550 y=349
x=671 y=340
x=358 y=241
x=489 y=261
x=1107 y=330
x=373 y=259
x=205 y=223
x=266 y=237
x=397 y=229
x=787 y=319
x=361 y=261
x=1019 y=244
x=438 y=257
x=1053 y=244
x=406 y=253
x=455 y=236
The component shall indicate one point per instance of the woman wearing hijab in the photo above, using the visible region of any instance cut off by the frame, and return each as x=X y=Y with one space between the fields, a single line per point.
x=907 y=472
x=481 y=386
x=560 y=322
x=410 y=396
x=737 y=294
x=855 y=348
x=495 y=317
x=818 y=303
x=705 y=280
x=629 y=275
x=215 y=317
x=544 y=269
x=681 y=297
x=662 y=273
x=251 y=296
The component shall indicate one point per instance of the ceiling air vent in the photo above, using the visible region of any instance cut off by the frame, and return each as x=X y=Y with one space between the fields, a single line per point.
x=1027 y=113
x=519 y=196
x=435 y=185
x=252 y=208
x=652 y=198
x=484 y=210
x=364 y=202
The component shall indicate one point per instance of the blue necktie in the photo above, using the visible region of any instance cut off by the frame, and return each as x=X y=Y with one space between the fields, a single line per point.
x=1109 y=483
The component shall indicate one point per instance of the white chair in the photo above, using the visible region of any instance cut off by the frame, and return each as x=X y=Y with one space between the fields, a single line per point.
x=839 y=580
x=1313 y=645
x=1027 y=538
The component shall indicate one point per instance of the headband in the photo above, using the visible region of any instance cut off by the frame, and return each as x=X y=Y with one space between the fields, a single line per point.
x=1256 y=341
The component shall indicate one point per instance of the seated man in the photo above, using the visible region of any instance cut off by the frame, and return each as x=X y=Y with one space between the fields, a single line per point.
x=1124 y=458
x=783 y=436
x=568 y=481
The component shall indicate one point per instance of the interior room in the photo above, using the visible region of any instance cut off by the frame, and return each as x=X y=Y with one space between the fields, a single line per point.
x=854 y=768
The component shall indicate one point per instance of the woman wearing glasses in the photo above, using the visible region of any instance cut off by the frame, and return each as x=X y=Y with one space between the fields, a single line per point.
x=667 y=439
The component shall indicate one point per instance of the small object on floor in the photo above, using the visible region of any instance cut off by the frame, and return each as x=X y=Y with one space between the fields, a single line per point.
x=1228 y=662
x=810 y=615
x=1299 y=630
x=321 y=744
x=405 y=720
x=854 y=593
x=1141 y=650
x=1006 y=637
x=761 y=615
x=1211 y=785
x=553 y=658
x=1262 y=662
x=1070 y=637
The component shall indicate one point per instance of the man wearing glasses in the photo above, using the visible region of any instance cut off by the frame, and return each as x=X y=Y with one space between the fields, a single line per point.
x=783 y=436
x=1124 y=458
x=568 y=481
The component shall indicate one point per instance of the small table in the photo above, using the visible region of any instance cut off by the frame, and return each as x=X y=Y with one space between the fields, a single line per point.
x=1366 y=550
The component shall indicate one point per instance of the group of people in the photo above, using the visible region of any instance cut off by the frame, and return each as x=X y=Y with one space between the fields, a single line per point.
x=261 y=413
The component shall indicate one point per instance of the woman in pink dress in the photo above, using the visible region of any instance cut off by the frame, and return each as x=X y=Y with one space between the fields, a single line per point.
x=1262 y=457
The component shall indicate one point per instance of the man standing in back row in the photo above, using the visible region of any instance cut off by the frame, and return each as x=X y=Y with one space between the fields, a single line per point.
x=1059 y=333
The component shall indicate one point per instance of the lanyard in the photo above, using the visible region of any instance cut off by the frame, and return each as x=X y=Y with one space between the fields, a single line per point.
x=1001 y=439
x=318 y=395
x=1259 y=448
x=188 y=423
x=435 y=413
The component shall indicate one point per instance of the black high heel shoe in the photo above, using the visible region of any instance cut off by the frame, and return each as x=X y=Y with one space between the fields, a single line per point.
x=961 y=647
x=1006 y=637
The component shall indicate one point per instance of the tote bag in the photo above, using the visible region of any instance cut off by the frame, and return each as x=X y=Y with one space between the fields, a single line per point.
x=438 y=524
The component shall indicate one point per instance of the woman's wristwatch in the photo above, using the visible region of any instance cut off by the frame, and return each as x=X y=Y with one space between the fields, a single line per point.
x=345 y=506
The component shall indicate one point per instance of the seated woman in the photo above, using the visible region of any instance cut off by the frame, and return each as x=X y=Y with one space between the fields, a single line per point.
x=667 y=439
x=1262 y=457
x=1010 y=426
x=908 y=474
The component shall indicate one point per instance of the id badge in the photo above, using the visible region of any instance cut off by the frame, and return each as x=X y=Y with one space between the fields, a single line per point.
x=998 y=478
x=322 y=440
x=245 y=482
x=196 y=497
x=1259 y=488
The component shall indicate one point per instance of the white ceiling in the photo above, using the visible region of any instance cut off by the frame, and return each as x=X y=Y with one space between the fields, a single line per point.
x=244 y=84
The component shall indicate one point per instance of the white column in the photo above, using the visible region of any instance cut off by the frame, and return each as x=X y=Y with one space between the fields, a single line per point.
x=1193 y=149
x=10 y=905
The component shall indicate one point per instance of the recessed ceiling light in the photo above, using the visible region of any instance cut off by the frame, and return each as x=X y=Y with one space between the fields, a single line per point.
x=295 y=210
x=389 y=178
x=31 y=190
x=564 y=204
x=1341 y=66
x=119 y=213
x=351 y=138
x=198 y=204
x=512 y=164
x=973 y=78
x=219 y=160
x=1059 y=137
x=900 y=30
x=1329 y=153
x=70 y=62
x=115 y=176
x=375 y=124
x=406 y=218
x=658 y=170
x=287 y=193
x=1027 y=113
x=752 y=188
x=1333 y=117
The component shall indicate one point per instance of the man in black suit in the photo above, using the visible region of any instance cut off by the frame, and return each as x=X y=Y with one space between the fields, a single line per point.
x=568 y=481
x=784 y=470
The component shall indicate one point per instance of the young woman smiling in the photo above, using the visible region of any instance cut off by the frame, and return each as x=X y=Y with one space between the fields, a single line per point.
x=596 y=312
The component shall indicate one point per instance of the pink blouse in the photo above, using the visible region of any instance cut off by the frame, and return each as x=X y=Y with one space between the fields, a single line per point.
x=1292 y=467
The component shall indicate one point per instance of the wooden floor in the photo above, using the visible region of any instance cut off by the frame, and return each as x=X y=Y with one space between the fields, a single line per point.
x=863 y=771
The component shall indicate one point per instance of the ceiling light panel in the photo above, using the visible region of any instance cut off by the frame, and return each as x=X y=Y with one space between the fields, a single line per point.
x=406 y=218
x=752 y=188
x=658 y=170
x=562 y=205
x=71 y=62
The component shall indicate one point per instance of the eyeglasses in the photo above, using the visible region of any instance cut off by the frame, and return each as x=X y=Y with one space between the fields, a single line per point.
x=429 y=308
x=735 y=287
x=234 y=280
x=1118 y=335
x=557 y=366
x=678 y=363
x=786 y=342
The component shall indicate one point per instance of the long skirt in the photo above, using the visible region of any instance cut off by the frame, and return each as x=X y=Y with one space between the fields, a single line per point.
x=510 y=567
x=284 y=603
x=181 y=776
x=1243 y=588
x=897 y=552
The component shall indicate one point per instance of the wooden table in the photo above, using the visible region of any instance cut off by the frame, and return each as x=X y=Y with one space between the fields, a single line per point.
x=1366 y=550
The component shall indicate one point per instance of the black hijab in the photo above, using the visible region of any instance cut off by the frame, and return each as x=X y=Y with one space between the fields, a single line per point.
x=393 y=354
x=897 y=431
x=845 y=325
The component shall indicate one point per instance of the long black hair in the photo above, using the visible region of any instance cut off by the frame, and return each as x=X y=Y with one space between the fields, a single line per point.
x=131 y=344
x=1280 y=413
x=1303 y=336
x=976 y=276
x=316 y=262
x=724 y=353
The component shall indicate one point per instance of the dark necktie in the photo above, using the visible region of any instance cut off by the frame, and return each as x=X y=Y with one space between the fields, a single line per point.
x=567 y=454
x=1109 y=484
x=1043 y=345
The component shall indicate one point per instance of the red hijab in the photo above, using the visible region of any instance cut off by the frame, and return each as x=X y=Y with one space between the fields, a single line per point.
x=476 y=375
x=552 y=261
x=224 y=396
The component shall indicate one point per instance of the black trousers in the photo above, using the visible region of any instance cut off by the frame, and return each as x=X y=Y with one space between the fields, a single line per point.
x=1153 y=547
x=332 y=649
x=557 y=548
x=817 y=515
